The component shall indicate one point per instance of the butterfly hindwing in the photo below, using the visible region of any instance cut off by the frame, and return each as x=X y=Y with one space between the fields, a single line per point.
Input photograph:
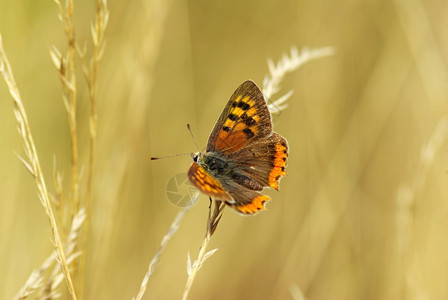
x=249 y=202
x=244 y=120
x=256 y=166
x=263 y=161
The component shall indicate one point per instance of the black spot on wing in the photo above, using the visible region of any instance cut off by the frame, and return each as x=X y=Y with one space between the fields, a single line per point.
x=226 y=128
x=232 y=117
x=243 y=105
x=249 y=121
x=249 y=133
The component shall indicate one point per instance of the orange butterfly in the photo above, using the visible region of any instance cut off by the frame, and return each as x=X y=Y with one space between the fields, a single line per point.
x=243 y=154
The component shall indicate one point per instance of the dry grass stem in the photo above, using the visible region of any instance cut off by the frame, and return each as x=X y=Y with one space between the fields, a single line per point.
x=48 y=291
x=57 y=198
x=36 y=279
x=90 y=70
x=405 y=201
x=32 y=163
x=67 y=74
x=156 y=259
x=296 y=292
x=212 y=224
x=271 y=83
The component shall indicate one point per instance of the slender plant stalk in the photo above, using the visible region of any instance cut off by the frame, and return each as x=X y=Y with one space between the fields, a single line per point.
x=72 y=100
x=155 y=260
x=36 y=279
x=195 y=268
x=91 y=74
x=49 y=290
x=32 y=163
x=58 y=198
x=67 y=72
x=406 y=200
x=212 y=223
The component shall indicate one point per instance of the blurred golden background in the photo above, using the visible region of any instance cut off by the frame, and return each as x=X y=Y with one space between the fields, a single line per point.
x=363 y=211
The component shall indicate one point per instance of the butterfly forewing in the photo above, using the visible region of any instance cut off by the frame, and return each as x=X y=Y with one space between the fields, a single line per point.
x=207 y=183
x=245 y=120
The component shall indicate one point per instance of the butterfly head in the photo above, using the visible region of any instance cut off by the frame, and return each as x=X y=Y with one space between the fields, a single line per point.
x=197 y=157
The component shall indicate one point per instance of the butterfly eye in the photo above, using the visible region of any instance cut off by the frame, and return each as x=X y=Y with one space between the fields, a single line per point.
x=195 y=157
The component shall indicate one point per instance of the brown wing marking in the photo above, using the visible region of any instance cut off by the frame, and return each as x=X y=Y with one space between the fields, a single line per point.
x=264 y=161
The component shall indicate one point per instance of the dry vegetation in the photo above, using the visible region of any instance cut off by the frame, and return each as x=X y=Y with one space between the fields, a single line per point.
x=362 y=213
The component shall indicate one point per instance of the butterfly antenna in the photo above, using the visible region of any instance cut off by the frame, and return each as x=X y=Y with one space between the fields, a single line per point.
x=169 y=156
x=192 y=136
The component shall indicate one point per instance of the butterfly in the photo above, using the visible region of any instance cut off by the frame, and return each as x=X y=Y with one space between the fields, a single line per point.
x=243 y=154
